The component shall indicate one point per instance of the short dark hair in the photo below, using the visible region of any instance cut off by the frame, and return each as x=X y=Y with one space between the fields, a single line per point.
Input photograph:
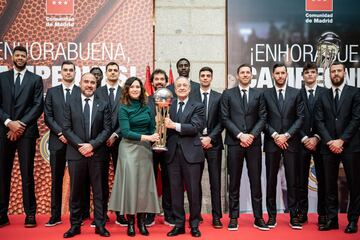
x=309 y=65
x=158 y=71
x=95 y=68
x=125 y=96
x=337 y=63
x=277 y=65
x=111 y=64
x=203 y=69
x=67 y=62
x=243 y=65
x=182 y=59
x=20 y=48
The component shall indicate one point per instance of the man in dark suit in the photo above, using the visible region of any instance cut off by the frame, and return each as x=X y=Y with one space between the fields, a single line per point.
x=185 y=156
x=310 y=148
x=55 y=100
x=87 y=126
x=159 y=80
x=183 y=69
x=285 y=116
x=211 y=139
x=244 y=116
x=337 y=115
x=21 y=104
x=111 y=93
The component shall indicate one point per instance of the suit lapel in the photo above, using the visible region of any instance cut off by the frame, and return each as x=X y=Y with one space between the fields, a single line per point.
x=186 y=110
x=24 y=83
x=331 y=100
x=304 y=95
x=173 y=108
x=94 y=111
x=117 y=98
x=342 y=97
x=275 y=99
x=60 y=93
x=239 y=98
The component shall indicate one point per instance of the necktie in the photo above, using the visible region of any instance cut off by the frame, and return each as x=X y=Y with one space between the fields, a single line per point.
x=87 y=119
x=111 y=97
x=17 y=85
x=336 y=99
x=179 y=112
x=244 y=99
x=281 y=99
x=205 y=102
x=311 y=99
x=67 y=96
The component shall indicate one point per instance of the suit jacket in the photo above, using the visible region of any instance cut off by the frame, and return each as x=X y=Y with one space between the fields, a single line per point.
x=192 y=124
x=102 y=93
x=343 y=123
x=54 y=114
x=27 y=106
x=309 y=127
x=74 y=128
x=236 y=119
x=195 y=87
x=289 y=120
x=213 y=124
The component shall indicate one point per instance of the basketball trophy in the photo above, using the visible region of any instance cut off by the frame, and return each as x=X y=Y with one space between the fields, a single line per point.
x=162 y=98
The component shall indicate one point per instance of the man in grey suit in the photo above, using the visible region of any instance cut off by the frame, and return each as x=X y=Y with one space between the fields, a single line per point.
x=87 y=126
x=285 y=116
x=55 y=100
x=244 y=116
x=337 y=117
x=185 y=156
x=21 y=104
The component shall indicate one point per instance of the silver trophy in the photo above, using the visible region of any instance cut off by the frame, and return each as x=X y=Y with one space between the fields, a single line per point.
x=162 y=98
x=328 y=46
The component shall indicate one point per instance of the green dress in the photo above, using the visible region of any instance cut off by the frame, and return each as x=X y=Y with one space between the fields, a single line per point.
x=134 y=189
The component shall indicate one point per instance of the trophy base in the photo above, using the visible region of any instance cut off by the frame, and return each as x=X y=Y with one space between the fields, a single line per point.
x=159 y=149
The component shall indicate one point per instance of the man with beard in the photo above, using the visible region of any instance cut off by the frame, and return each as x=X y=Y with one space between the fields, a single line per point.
x=159 y=80
x=87 y=126
x=98 y=73
x=310 y=138
x=183 y=69
x=337 y=115
x=111 y=93
x=55 y=100
x=21 y=104
x=285 y=116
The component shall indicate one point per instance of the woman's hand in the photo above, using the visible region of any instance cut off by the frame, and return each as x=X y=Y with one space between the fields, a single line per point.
x=150 y=138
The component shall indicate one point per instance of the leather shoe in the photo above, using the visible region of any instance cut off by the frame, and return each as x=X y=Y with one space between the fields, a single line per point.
x=72 y=232
x=217 y=223
x=4 y=220
x=322 y=220
x=329 y=225
x=176 y=231
x=102 y=231
x=30 y=221
x=195 y=232
x=351 y=227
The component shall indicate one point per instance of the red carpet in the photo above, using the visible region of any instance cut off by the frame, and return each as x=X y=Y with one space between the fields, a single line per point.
x=16 y=230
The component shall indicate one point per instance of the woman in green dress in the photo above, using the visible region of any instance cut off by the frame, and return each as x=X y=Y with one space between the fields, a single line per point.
x=134 y=189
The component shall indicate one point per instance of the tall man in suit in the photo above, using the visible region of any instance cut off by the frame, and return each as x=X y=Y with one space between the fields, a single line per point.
x=111 y=93
x=21 y=104
x=159 y=80
x=55 y=100
x=211 y=139
x=310 y=138
x=337 y=117
x=244 y=116
x=183 y=69
x=185 y=156
x=285 y=116
x=87 y=126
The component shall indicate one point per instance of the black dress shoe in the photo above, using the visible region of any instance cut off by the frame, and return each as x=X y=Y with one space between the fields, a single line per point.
x=102 y=231
x=233 y=224
x=259 y=223
x=295 y=224
x=302 y=218
x=217 y=223
x=351 y=227
x=176 y=231
x=72 y=232
x=4 y=220
x=195 y=232
x=271 y=222
x=53 y=222
x=30 y=221
x=141 y=224
x=322 y=220
x=131 y=225
x=329 y=225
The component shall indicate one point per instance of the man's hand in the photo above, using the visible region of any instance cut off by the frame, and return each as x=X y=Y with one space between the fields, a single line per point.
x=63 y=139
x=12 y=136
x=336 y=146
x=86 y=149
x=169 y=123
x=17 y=127
x=311 y=143
x=281 y=141
x=246 y=139
x=111 y=140
x=206 y=142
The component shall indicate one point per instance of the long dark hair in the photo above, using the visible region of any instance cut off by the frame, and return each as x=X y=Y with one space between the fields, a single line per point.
x=125 y=96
